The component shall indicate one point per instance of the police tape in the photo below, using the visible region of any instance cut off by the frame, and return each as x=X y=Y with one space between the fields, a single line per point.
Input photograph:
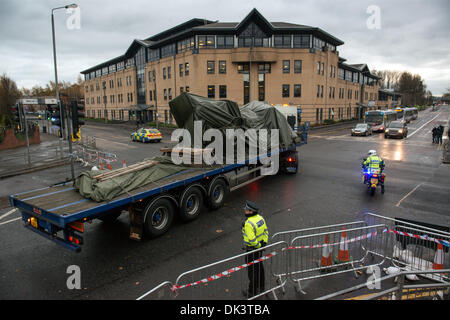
x=363 y=237
x=372 y=234
x=224 y=273
x=423 y=237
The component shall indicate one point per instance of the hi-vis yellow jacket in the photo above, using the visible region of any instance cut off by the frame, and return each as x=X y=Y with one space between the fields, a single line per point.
x=255 y=232
x=374 y=162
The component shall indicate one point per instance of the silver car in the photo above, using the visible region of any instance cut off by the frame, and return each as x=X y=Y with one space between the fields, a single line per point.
x=362 y=129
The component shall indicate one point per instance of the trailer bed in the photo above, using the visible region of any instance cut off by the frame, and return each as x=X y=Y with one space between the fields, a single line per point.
x=63 y=204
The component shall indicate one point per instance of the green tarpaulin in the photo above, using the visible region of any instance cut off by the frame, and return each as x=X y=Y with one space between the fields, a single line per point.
x=106 y=190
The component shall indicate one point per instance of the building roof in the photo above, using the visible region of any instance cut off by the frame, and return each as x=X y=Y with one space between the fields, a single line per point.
x=203 y=26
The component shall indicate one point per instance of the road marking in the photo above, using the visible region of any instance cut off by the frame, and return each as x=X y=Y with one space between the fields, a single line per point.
x=10 y=221
x=123 y=144
x=8 y=213
x=409 y=193
x=410 y=135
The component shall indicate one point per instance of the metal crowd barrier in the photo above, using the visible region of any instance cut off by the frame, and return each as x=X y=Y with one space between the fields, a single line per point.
x=160 y=292
x=416 y=245
x=288 y=236
x=315 y=253
x=347 y=250
x=400 y=291
x=92 y=157
x=228 y=279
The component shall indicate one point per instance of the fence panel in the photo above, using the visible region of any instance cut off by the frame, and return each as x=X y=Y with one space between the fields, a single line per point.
x=416 y=245
x=160 y=292
x=229 y=279
x=318 y=255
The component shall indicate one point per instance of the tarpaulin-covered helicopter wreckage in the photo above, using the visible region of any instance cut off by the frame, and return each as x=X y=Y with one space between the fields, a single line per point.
x=198 y=114
x=195 y=114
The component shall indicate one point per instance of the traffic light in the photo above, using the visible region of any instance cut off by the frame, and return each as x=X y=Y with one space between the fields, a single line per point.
x=77 y=122
x=17 y=117
x=56 y=119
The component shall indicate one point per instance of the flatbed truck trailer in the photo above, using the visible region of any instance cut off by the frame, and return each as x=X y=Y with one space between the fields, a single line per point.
x=59 y=212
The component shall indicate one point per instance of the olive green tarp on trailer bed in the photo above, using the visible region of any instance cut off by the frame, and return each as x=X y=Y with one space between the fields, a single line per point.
x=90 y=187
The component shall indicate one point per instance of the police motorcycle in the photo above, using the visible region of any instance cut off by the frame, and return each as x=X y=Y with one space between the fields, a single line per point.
x=372 y=178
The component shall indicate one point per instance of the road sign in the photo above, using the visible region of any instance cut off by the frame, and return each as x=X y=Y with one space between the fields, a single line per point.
x=30 y=101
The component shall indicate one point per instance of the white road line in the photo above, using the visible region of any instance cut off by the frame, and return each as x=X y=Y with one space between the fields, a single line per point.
x=8 y=213
x=123 y=144
x=10 y=221
x=409 y=193
x=410 y=135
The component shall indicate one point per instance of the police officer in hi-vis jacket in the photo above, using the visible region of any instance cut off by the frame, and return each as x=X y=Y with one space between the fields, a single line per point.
x=255 y=235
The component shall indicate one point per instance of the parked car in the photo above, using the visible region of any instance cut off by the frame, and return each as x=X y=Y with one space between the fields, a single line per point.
x=362 y=129
x=146 y=135
x=396 y=129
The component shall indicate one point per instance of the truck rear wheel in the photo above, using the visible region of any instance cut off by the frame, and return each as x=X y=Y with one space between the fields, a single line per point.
x=191 y=203
x=216 y=194
x=158 y=217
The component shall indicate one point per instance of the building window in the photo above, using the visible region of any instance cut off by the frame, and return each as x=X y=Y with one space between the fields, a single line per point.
x=285 y=91
x=282 y=41
x=211 y=92
x=188 y=89
x=301 y=41
x=297 y=90
x=170 y=93
x=318 y=67
x=222 y=67
x=165 y=94
x=186 y=69
x=261 y=86
x=206 y=42
x=318 y=91
x=181 y=70
x=264 y=68
x=243 y=67
x=321 y=91
x=225 y=42
x=168 y=72
x=164 y=73
x=210 y=67
x=222 y=92
x=286 y=66
x=297 y=66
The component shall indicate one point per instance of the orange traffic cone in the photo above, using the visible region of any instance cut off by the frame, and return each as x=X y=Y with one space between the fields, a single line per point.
x=124 y=164
x=343 y=255
x=109 y=166
x=101 y=166
x=326 y=254
x=438 y=263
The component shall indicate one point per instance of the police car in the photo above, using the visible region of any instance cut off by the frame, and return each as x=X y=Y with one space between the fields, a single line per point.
x=146 y=135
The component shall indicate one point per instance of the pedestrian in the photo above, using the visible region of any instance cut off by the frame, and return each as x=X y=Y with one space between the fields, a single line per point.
x=255 y=235
x=440 y=133
x=434 y=134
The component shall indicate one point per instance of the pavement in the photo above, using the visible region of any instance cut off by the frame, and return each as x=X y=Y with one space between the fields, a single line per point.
x=326 y=190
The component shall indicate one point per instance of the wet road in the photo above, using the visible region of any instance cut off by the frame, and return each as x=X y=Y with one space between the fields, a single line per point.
x=327 y=190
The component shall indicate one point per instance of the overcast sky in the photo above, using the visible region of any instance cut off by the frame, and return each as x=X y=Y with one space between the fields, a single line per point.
x=413 y=35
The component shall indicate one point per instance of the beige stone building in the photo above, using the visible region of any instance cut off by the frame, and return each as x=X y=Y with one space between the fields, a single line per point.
x=277 y=62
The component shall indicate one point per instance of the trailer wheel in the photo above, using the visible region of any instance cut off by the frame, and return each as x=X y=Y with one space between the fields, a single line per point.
x=158 y=217
x=191 y=203
x=216 y=194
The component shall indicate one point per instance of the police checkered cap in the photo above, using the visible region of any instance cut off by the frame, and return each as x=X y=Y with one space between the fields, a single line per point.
x=250 y=205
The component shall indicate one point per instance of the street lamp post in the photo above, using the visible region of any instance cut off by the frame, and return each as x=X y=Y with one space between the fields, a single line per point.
x=57 y=87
